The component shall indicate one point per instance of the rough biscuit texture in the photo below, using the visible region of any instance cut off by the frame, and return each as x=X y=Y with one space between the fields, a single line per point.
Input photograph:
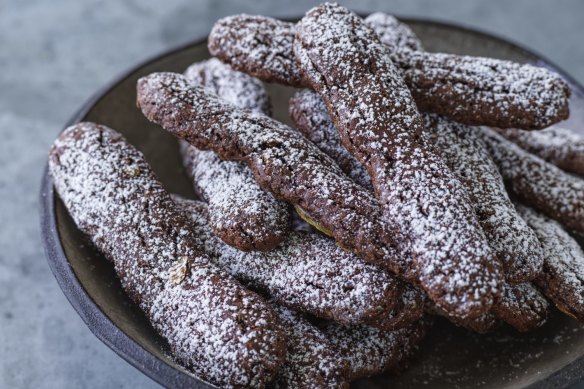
x=310 y=273
x=236 y=87
x=295 y=170
x=311 y=118
x=242 y=214
x=312 y=361
x=221 y=331
x=538 y=183
x=371 y=107
x=485 y=91
x=257 y=45
x=369 y=351
x=511 y=240
x=562 y=280
x=282 y=160
x=522 y=306
x=472 y=90
x=393 y=33
x=509 y=237
x=559 y=146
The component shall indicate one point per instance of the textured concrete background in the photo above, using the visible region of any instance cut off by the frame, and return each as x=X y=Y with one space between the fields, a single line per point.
x=55 y=54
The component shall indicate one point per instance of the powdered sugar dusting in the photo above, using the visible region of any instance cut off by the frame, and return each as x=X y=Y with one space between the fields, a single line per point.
x=393 y=33
x=472 y=90
x=312 y=360
x=242 y=214
x=522 y=306
x=369 y=351
x=282 y=160
x=257 y=45
x=378 y=122
x=311 y=118
x=562 y=280
x=538 y=183
x=562 y=147
x=485 y=91
x=511 y=240
x=309 y=273
x=238 y=88
x=216 y=328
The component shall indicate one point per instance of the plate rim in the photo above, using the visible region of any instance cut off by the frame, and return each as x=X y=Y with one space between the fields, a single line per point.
x=121 y=343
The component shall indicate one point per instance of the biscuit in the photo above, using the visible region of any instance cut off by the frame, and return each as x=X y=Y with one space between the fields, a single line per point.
x=397 y=36
x=224 y=333
x=472 y=90
x=311 y=118
x=311 y=360
x=378 y=122
x=562 y=280
x=556 y=145
x=537 y=183
x=295 y=170
x=487 y=322
x=257 y=45
x=369 y=351
x=522 y=306
x=310 y=273
x=242 y=215
x=510 y=239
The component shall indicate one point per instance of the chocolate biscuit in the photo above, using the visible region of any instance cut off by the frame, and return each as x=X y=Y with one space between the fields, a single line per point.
x=257 y=45
x=224 y=333
x=369 y=351
x=537 y=183
x=559 y=146
x=487 y=322
x=294 y=170
x=562 y=280
x=242 y=215
x=311 y=118
x=397 y=36
x=522 y=306
x=377 y=120
x=310 y=273
x=510 y=239
x=312 y=360
x=472 y=90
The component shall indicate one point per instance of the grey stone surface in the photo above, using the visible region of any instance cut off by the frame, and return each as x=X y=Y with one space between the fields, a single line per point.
x=55 y=54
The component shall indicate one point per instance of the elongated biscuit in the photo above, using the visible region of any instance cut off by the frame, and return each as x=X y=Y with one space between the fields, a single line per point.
x=312 y=360
x=379 y=124
x=536 y=182
x=242 y=215
x=295 y=170
x=511 y=240
x=522 y=306
x=309 y=273
x=487 y=322
x=562 y=280
x=221 y=331
x=369 y=351
x=559 y=146
x=472 y=90
x=311 y=118
x=397 y=36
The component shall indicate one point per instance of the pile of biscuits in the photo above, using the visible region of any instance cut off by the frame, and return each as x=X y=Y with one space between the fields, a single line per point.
x=414 y=184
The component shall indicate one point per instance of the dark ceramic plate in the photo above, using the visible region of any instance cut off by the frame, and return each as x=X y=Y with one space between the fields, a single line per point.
x=450 y=357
